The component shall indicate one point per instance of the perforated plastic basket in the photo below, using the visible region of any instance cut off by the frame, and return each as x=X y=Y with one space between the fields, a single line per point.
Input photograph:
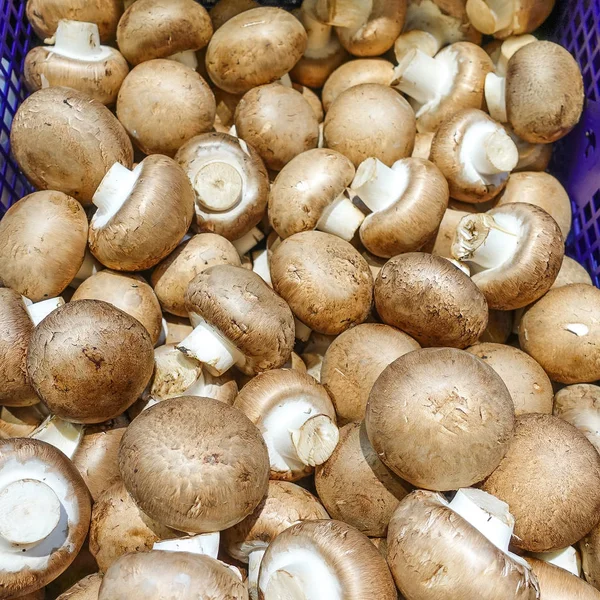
x=576 y=162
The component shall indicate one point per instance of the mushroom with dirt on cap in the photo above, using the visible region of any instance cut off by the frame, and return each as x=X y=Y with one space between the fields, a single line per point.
x=579 y=405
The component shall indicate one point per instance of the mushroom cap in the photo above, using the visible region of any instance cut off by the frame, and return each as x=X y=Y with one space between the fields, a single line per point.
x=354 y=361
x=562 y=332
x=305 y=188
x=238 y=220
x=197 y=466
x=407 y=224
x=425 y=395
x=130 y=293
x=528 y=384
x=579 y=405
x=543 y=70
x=429 y=298
x=543 y=190
x=224 y=10
x=558 y=584
x=356 y=487
x=85 y=589
x=326 y=282
x=499 y=327
x=118 y=526
x=152 y=221
x=68 y=159
x=33 y=568
x=313 y=99
x=589 y=547
x=314 y=71
x=160 y=574
x=571 y=272
x=253 y=48
x=284 y=505
x=159 y=28
x=527 y=15
x=550 y=478
x=50 y=226
x=245 y=310
x=89 y=361
x=44 y=15
x=15 y=332
x=353 y=561
x=370 y=120
x=278 y=122
x=356 y=72
x=428 y=541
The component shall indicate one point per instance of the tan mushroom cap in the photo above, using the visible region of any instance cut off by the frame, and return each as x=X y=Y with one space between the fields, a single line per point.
x=34 y=460
x=370 y=120
x=550 y=478
x=254 y=48
x=160 y=28
x=527 y=382
x=543 y=70
x=129 y=293
x=42 y=244
x=354 y=361
x=178 y=575
x=430 y=299
x=559 y=584
x=20 y=421
x=44 y=15
x=118 y=526
x=562 y=332
x=182 y=105
x=356 y=487
x=85 y=589
x=571 y=272
x=499 y=327
x=211 y=479
x=89 y=361
x=424 y=396
x=589 y=547
x=326 y=282
x=543 y=190
x=313 y=99
x=579 y=405
x=428 y=542
x=224 y=10
x=68 y=159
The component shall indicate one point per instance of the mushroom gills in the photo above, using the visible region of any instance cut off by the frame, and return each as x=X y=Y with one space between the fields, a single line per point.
x=59 y=433
x=204 y=543
x=79 y=41
x=490 y=16
x=379 y=186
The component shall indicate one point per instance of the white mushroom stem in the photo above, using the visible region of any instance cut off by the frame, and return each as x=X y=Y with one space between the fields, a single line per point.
x=425 y=41
x=379 y=186
x=244 y=244
x=565 y=558
x=462 y=266
x=164 y=332
x=187 y=58
x=260 y=265
x=113 y=191
x=341 y=218
x=89 y=267
x=79 y=41
x=302 y=331
x=204 y=543
x=495 y=97
x=254 y=559
x=344 y=13
x=61 y=434
x=509 y=46
x=316 y=440
x=208 y=346
x=321 y=42
x=490 y=16
x=40 y=310
x=321 y=140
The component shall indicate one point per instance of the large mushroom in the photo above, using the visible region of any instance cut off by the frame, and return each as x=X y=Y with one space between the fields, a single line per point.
x=579 y=405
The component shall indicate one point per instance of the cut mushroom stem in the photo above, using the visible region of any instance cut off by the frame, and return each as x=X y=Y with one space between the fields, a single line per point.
x=244 y=244
x=565 y=558
x=254 y=559
x=341 y=218
x=187 y=58
x=78 y=40
x=316 y=440
x=377 y=185
x=302 y=331
x=344 y=13
x=495 y=96
x=488 y=149
x=59 y=433
x=204 y=543
x=490 y=16
x=40 y=310
x=218 y=186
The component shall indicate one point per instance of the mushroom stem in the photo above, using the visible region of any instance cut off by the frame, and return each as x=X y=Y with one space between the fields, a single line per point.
x=254 y=559
x=344 y=13
x=89 y=267
x=486 y=149
x=59 y=433
x=78 y=40
x=426 y=41
x=204 y=543
x=187 y=58
x=248 y=241
x=316 y=440
x=509 y=46
x=302 y=331
x=40 y=310
x=260 y=265
x=377 y=185
x=495 y=96
x=341 y=218
x=490 y=16
x=320 y=39
x=218 y=186
x=565 y=558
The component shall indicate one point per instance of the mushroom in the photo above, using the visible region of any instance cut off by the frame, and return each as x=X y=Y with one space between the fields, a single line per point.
x=326 y=282
x=237 y=319
x=85 y=589
x=230 y=183
x=59 y=433
x=296 y=418
x=566 y=558
x=441 y=245
x=224 y=10
x=440 y=418
x=325 y=555
x=182 y=105
x=177 y=328
x=407 y=204
x=278 y=122
x=532 y=157
x=129 y=293
x=20 y=421
x=548 y=454
x=315 y=102
x=76 y=60
x=528 y=384
x=44 y=515
x=499 y=327
x=457 y=549
x=314 y=353
x=557 y=584
x=442 y=86
x=562 y=332
x=590 y=556
x=579 y=405
x=354 y=361
x=211 y=446
x=88 y=361
x=422 y=147
x=64 y=158
x=432 y=300
x=254 y=48
x=370 y=120
x=514 y=252
x=356 y=487
x=475 y=154
x=284 y=505
x=50 y=226
x=571 y=272
x=89 y=267
x=142 y=214
x=537 y=70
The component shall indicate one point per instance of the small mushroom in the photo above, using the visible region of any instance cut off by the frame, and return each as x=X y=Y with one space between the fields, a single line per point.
x=579 y=405
x=558 y=584
x=85 y=589
x=370 y=120
x=296 y=418
x=224 y=10
x=142 y=214
x=571 y=272
x=548 y=454
x=68 y=159
x=440 y=418
x=432 y=300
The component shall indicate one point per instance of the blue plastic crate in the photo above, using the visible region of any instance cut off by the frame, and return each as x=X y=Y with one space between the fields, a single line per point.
x=575 y=24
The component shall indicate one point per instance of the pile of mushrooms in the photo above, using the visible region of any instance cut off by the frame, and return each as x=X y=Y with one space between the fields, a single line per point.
x=289 y=315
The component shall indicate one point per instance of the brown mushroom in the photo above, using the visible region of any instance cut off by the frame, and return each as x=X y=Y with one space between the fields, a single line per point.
x=224 y=10
x=590 y=556
x=558 y=584
x=571 y=272
x=579 y=405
